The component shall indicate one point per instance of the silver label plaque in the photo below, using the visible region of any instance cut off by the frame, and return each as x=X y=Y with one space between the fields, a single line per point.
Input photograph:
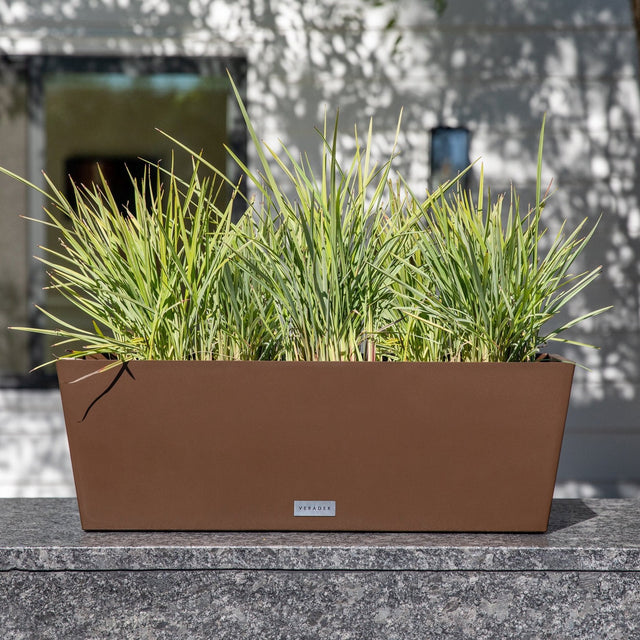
x=314 y=508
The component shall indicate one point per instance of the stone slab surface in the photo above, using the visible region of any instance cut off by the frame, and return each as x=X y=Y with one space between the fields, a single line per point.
x=38 y=534
x=579 y=580
x=303 y=605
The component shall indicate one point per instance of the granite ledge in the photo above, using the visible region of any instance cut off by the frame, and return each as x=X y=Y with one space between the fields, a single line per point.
x=584 y=535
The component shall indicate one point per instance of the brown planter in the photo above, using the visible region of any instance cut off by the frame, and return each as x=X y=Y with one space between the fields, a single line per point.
x=384 y=446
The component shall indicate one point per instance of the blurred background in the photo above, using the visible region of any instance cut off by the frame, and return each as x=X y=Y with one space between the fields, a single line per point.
x=86 y=81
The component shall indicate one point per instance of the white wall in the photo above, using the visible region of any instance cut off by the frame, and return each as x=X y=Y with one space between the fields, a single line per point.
x=494 y=66
x=34 y=455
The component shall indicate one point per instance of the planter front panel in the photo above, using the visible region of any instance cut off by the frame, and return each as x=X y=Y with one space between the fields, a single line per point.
x=384 y=446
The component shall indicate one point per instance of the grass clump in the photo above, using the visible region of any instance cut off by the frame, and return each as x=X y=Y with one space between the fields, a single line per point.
x=345 y=264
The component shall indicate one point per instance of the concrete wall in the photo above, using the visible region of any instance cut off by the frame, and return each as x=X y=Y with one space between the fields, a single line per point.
x=493 y=66
x=34 y=455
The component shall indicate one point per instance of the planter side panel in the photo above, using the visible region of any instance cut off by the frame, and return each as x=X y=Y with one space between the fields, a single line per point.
x=395 y=446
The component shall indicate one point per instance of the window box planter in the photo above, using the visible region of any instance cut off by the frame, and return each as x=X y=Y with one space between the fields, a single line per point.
x=362 y=446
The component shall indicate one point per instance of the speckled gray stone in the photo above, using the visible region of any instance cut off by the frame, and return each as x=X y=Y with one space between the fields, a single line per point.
x=584 y=535
x=579 y=580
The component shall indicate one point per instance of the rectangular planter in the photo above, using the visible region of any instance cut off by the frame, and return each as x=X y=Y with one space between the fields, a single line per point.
x=159 y=445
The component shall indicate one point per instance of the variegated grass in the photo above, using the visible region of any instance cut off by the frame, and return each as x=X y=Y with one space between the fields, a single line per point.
x=338 y=263
x=478 y=285
x=324 y=246
x=157 y=282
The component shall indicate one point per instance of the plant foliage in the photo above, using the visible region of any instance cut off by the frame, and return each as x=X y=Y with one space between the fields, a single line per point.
x=344 y=263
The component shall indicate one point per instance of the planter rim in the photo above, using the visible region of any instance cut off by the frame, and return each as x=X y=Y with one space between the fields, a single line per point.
x=327 y=362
